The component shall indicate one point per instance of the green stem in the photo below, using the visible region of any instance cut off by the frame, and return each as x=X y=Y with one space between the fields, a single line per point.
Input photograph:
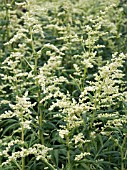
x=40 y=125
x=49 y=165
x=32 y=43
x=122 y=153
x=17 y=165
x=68 y=156
x=92 y=121
x=23 y=163
x=122 y=157
x=68 y=151
x=40 y=118
x=7 y=20
x=96 y=104
x=22 y=136
x=40 y=111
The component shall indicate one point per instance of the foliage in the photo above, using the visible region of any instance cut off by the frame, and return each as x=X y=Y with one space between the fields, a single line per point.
x=63 y=95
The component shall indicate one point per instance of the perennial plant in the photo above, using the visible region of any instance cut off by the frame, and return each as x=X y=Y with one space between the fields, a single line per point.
x=63 y=94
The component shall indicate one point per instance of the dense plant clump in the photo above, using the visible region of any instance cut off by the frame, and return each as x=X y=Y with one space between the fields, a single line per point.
x=63 y=85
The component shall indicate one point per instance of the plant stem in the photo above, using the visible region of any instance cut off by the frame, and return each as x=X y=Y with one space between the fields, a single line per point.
x=68 y=151
x=40 y=124
x=22 y=136
x=17 y=165
x=23 y=163
x=7 y=20
x=40 y=111
x=122 y=153
x=40 y=118
x=49 y=165
x=122 y=163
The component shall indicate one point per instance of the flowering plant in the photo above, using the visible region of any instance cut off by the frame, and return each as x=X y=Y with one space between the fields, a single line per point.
x=63 y=94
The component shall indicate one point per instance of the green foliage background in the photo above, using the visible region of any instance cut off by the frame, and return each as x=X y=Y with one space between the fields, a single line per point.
x=63 y=85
